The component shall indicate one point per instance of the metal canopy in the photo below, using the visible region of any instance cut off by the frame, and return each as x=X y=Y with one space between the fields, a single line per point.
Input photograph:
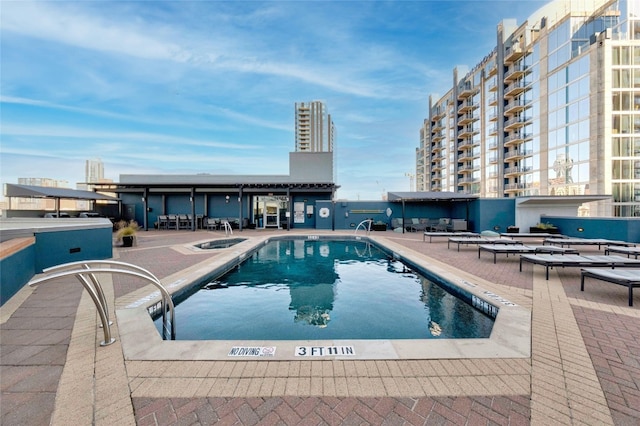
x=30 y=191
x=203 y=187
x=541 y=200
x=421 y=196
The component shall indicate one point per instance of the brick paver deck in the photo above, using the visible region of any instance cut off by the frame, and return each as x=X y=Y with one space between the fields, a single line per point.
x=584 y=368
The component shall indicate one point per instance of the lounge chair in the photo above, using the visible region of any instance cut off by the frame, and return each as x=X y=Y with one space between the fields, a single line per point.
x=522 y=249
x=628 y=278
x=432 y=234
x=629 y=251
x=572 y=260
x=481 y=240
x=586 y=242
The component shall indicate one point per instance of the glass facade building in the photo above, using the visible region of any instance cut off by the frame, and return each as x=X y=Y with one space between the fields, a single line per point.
x=554 y=109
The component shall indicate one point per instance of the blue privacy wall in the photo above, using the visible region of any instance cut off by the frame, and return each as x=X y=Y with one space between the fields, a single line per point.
x=57 y=247
x=492 y=214
x=15 y=271
x=53 y=247
x=612 y=228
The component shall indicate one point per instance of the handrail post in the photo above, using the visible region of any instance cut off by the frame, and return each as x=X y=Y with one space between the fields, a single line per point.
x=86 y=276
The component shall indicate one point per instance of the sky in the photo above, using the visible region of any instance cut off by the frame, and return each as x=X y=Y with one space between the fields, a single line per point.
x=189 y=87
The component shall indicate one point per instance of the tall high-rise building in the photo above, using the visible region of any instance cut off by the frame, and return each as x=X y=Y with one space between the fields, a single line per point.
x=315 y=131
x=93 y=171
x=554 y=109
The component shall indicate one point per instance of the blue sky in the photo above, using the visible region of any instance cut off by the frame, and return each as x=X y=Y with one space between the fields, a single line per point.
x=186 y=87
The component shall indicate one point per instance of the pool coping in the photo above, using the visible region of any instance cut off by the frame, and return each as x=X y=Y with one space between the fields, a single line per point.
x=510 y=337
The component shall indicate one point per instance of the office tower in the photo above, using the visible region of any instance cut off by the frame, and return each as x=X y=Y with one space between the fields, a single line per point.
x=315 y=131
x=94 y=171
x=554 y=109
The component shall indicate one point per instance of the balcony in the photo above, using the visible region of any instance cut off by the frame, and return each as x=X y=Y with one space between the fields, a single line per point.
x=516 y=154
x=513 y=53
x=514 y=187
x=469 y=117
x=467 y=132
x=437 y=137
x=516 y=88
x=492 y=86
x=465 y=144
x=492 y=71
x=466 y=180
x=466 y=106
x=516 y=138
x=516 y=106
x=465 y=168
x=492 y=146
x=437 y=166
x=466 y=90
x=516 y=171
x=435 y=147
x=438 y=113
x=493 y=100
x=493 y=130
x=493 y=159
x=465 y=155
x=515 y=123
x=438 y=125
x=436 y=176
x=515 y=72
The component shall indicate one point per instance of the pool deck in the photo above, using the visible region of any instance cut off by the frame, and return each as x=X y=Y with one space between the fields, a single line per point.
x=584 y=366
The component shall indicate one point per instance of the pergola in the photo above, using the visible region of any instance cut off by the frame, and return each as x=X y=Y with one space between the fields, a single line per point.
x=30 y=191
x=428 y=197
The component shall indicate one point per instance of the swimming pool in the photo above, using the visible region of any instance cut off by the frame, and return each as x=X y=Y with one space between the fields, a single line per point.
x=296 y=289
x=510 y=336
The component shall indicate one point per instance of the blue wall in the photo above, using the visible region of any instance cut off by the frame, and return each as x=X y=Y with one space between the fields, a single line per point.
x=50 y=249
x=348 y=214
x=15 y=271
x=55 y=248
x=612 y=228
x=492 y=214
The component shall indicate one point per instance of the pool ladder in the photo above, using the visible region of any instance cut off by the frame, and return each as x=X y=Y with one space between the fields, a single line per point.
x=85 y=271
x=227 y=228
x=366 y=225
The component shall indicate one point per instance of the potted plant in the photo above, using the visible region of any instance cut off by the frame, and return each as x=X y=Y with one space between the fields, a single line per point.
x=126 y=232
x=545 y=228
x=512 y=229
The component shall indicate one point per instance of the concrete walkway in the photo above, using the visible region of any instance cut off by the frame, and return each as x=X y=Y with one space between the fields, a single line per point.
x=584 y=367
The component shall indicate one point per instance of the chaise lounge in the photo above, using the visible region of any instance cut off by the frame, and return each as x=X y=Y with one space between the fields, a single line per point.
x=522 y=249
x=573 y=260
x=628 y=278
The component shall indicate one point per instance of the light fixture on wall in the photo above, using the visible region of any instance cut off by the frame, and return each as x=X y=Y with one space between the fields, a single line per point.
x=226 y=199
x=143 y=199
x=581 y=229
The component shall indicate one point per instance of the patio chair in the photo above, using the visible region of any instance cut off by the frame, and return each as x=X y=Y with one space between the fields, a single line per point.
x=163 y=222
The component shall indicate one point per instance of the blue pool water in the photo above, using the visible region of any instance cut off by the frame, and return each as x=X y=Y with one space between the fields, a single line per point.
x=304 y=289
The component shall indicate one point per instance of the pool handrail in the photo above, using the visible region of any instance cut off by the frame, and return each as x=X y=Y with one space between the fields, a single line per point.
x=85 y=274
x=227 y=228
x=367 y=228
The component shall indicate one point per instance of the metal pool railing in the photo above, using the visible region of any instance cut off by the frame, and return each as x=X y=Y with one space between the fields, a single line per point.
x=85 y=271
x=366 y=225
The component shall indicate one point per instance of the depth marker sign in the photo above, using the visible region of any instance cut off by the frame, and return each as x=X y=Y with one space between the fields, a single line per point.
x=324 y=350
